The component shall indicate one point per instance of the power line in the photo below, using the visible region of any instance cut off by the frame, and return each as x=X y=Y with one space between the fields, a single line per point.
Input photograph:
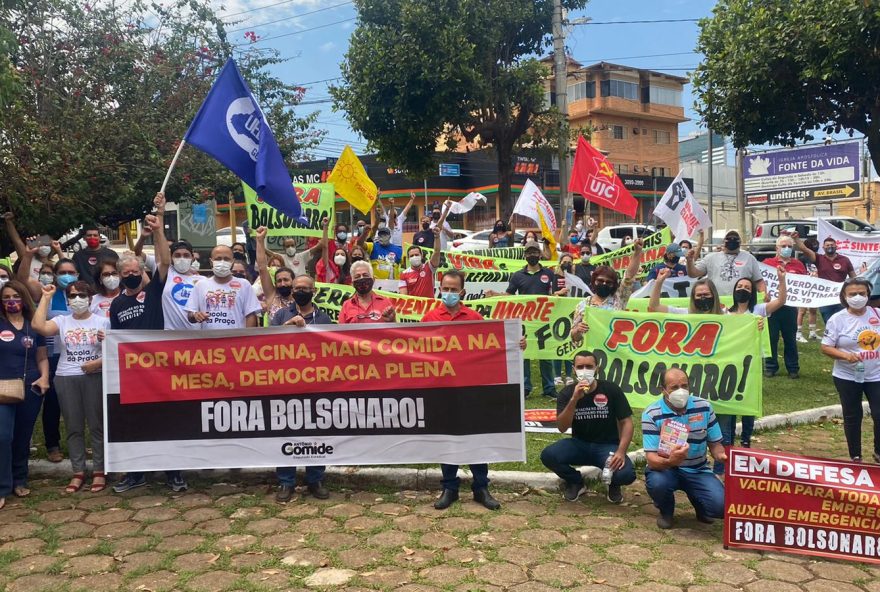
x=637 y=57
x=289 y=18
x=258 y=8
x=301 y=31
x=644 y=22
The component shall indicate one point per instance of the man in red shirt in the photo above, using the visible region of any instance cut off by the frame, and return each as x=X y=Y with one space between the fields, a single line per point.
x=451 y=294
x=784 y=320
x=830 y=266
x=418 y=279
x=365 y=306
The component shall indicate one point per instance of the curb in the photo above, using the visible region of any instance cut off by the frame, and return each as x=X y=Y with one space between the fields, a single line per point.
x=426 y=479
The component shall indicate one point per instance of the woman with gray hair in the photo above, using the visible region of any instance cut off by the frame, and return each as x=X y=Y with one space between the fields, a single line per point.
x=784 y=320
x=365 y=306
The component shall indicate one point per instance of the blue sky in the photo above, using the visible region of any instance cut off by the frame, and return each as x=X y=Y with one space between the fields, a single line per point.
x=317 y=42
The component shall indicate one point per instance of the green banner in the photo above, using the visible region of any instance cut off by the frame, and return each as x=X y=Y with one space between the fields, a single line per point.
x=653 y=250
x=635 y=350
x=317 y=200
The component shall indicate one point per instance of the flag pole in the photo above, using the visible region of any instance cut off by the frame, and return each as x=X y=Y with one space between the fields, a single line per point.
x=173 y=163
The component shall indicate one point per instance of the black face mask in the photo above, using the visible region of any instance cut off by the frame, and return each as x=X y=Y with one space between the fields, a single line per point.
x=741 y=296
x=238 y=256
x=731 y=244
x=353 y=259
x=302 y=297
x=499 y=228
x=603 y=290
x=436 y=215
x=239 y=275
x=284 y=291
x=425 y=225
x=132 y=282
x=532 y=260
x=363 y=285
x=704 y=304
x=830 y=250
x=672 y=260
x=566 y=266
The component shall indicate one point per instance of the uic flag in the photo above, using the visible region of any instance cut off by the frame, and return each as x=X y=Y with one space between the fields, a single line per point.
x=593 y=177
x=231 y=128
x=681 y=212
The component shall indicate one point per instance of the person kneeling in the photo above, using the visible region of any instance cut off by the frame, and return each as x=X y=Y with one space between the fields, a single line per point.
x=601 y=425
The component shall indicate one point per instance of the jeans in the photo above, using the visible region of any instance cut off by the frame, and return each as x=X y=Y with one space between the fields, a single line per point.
x=703 y=489
x=82 y=402
x=546 y=367
x=851 y=402
x=783 y=321
x=52 y=411
x=827 y=311
x=560 y=456
x=287 y=475
x=16 y=427
x=450 y=480
x=557 y=368
x=727 y=423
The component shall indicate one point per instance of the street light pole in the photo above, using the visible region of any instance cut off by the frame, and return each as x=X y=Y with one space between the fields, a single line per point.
x=560 y=78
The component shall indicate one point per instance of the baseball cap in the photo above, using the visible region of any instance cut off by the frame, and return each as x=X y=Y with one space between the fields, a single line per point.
x=673 y=249
x=532 y=245
x=384 y=230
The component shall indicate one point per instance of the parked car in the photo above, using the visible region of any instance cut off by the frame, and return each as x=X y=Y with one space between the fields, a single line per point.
x=847 y=223
x=224 y=235
x=480 y=240
x=763 y=244
x=611 y=237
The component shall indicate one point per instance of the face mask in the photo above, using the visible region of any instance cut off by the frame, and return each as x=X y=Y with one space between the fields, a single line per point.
x=195 y=265
x=741 y=296
x=435 y=215
x=532 y=260
x=566 y=266
x=830 y=250
x=183 y=264
x=44 y=251
x=46 y=278
x=384 y=240
x=356 y=258
x=499 y=228
x=361 y=230
x=785 y=252
x=80 y=304
x=302 y=297
x=573 y=240
x=415 y=260
x=679 y=398
x=238 y=256
x=111 y=282
x=684 y=251
x=222 y=268
x=341 y=236
x=3 y=281
x=291 y=251
x=93 y=242
x=857 y=302
x=239 y=274
x=13 y=305
x=426 y=225
x=339 y=260
x=363 y=285
x=603 y=290
x=731 y=244
x=672 y=260
x=132 y=282
x=704 y=304
x=65 y=279
x=450 y=299
x=585 y=374
x=284 y=291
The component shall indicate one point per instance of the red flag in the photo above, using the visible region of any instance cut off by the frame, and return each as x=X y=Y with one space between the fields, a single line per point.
x=593 y=177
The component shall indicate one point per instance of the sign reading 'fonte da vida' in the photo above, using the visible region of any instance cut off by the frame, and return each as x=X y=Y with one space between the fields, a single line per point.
x=353 y=395
x=802 y=504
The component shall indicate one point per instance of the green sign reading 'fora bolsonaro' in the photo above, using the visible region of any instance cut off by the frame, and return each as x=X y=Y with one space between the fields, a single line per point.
x=317 y=201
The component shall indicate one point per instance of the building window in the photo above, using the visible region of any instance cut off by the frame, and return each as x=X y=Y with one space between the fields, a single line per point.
x=620 y=88
x=665 y=96
x=621 y=168
x=618 y=132
x=581 y=90
x=658 y=172
x=662 y=137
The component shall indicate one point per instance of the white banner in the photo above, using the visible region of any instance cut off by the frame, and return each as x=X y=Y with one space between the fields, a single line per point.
x=681 y=212
x=467 y=203
x=531 y=201
x=576 y=286
x=862 y=250
x=673 y=287
x=802 y=291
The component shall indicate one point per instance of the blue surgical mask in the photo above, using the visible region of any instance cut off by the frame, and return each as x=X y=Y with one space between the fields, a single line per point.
x=450 y=299
x=65 y=279
x=785 y=251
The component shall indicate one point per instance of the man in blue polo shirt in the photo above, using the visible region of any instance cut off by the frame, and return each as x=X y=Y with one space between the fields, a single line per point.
x=676 y=432
x=670 y=261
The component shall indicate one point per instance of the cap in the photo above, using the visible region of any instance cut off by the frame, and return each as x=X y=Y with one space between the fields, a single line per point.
x=673 y=249
x=384 y=230
x=181 y=244
x=532 y=245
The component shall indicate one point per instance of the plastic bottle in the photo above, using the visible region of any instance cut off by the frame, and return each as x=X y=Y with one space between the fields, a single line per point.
x=607 y=472
x=860 y=372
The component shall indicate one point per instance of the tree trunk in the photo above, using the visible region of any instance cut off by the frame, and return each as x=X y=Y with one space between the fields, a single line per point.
x=873 y=136
x=505 y=178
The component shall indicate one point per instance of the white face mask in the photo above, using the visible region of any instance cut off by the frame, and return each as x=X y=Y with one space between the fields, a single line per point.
x=111 y=282
x=857 y=302
x=182 y=264
x=586 y=374
x=46 y=278
x=415 y=260
x=3 y=281
x=195 y=265
x=44 y=251
x=291 y=251
x=679 y=398
x=339 y=259
x=79 y=304
x=222 y=268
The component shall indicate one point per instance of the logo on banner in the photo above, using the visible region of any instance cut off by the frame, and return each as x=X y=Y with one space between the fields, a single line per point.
x=603 y=188
x=306 y=449
x=243 y=124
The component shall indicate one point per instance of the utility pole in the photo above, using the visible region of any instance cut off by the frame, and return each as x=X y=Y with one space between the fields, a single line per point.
x=560 y=78
x=741 y=192
x=709 y=183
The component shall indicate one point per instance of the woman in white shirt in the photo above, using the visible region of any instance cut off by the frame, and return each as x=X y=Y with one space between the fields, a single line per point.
x=78 y=378
x=704 y=297
x=851 y=339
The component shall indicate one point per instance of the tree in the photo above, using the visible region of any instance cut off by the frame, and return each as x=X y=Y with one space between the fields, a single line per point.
x=420 y=73
x=778 y=71
x=107 y=90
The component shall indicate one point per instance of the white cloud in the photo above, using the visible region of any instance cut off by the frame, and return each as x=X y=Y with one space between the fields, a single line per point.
x=327 y=46
x=267 y=13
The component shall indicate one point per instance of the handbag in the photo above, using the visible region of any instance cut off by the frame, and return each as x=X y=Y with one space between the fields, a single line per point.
x=12 y=390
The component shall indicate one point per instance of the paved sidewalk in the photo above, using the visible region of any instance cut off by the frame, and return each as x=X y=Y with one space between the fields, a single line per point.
x=233 y=536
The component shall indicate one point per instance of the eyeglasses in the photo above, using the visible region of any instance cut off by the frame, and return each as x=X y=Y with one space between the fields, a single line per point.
x=601 y=282
x=77 y=295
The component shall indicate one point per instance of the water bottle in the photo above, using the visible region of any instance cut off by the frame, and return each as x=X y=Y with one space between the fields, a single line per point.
x=860 y=372
x=607 y=472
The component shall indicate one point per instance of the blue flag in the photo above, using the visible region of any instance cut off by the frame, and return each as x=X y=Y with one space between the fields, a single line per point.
x=230 y=127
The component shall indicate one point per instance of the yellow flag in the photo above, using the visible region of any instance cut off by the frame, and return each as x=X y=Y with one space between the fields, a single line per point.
x=548 y=236
x=352 y=183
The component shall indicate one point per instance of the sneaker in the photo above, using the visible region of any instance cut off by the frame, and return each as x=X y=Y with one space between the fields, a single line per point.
x=557 y=381
x=318 y=490
x=569 y=380
x=573 y=491
x=177 y=484
x=800 y=338
x=814 y=336
x=769 y=373
x=129 y=482
x=794 y=375
x=55 y=456
x=665 y=522
x=284 y=494
x=615 y=495
x=856 y=459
